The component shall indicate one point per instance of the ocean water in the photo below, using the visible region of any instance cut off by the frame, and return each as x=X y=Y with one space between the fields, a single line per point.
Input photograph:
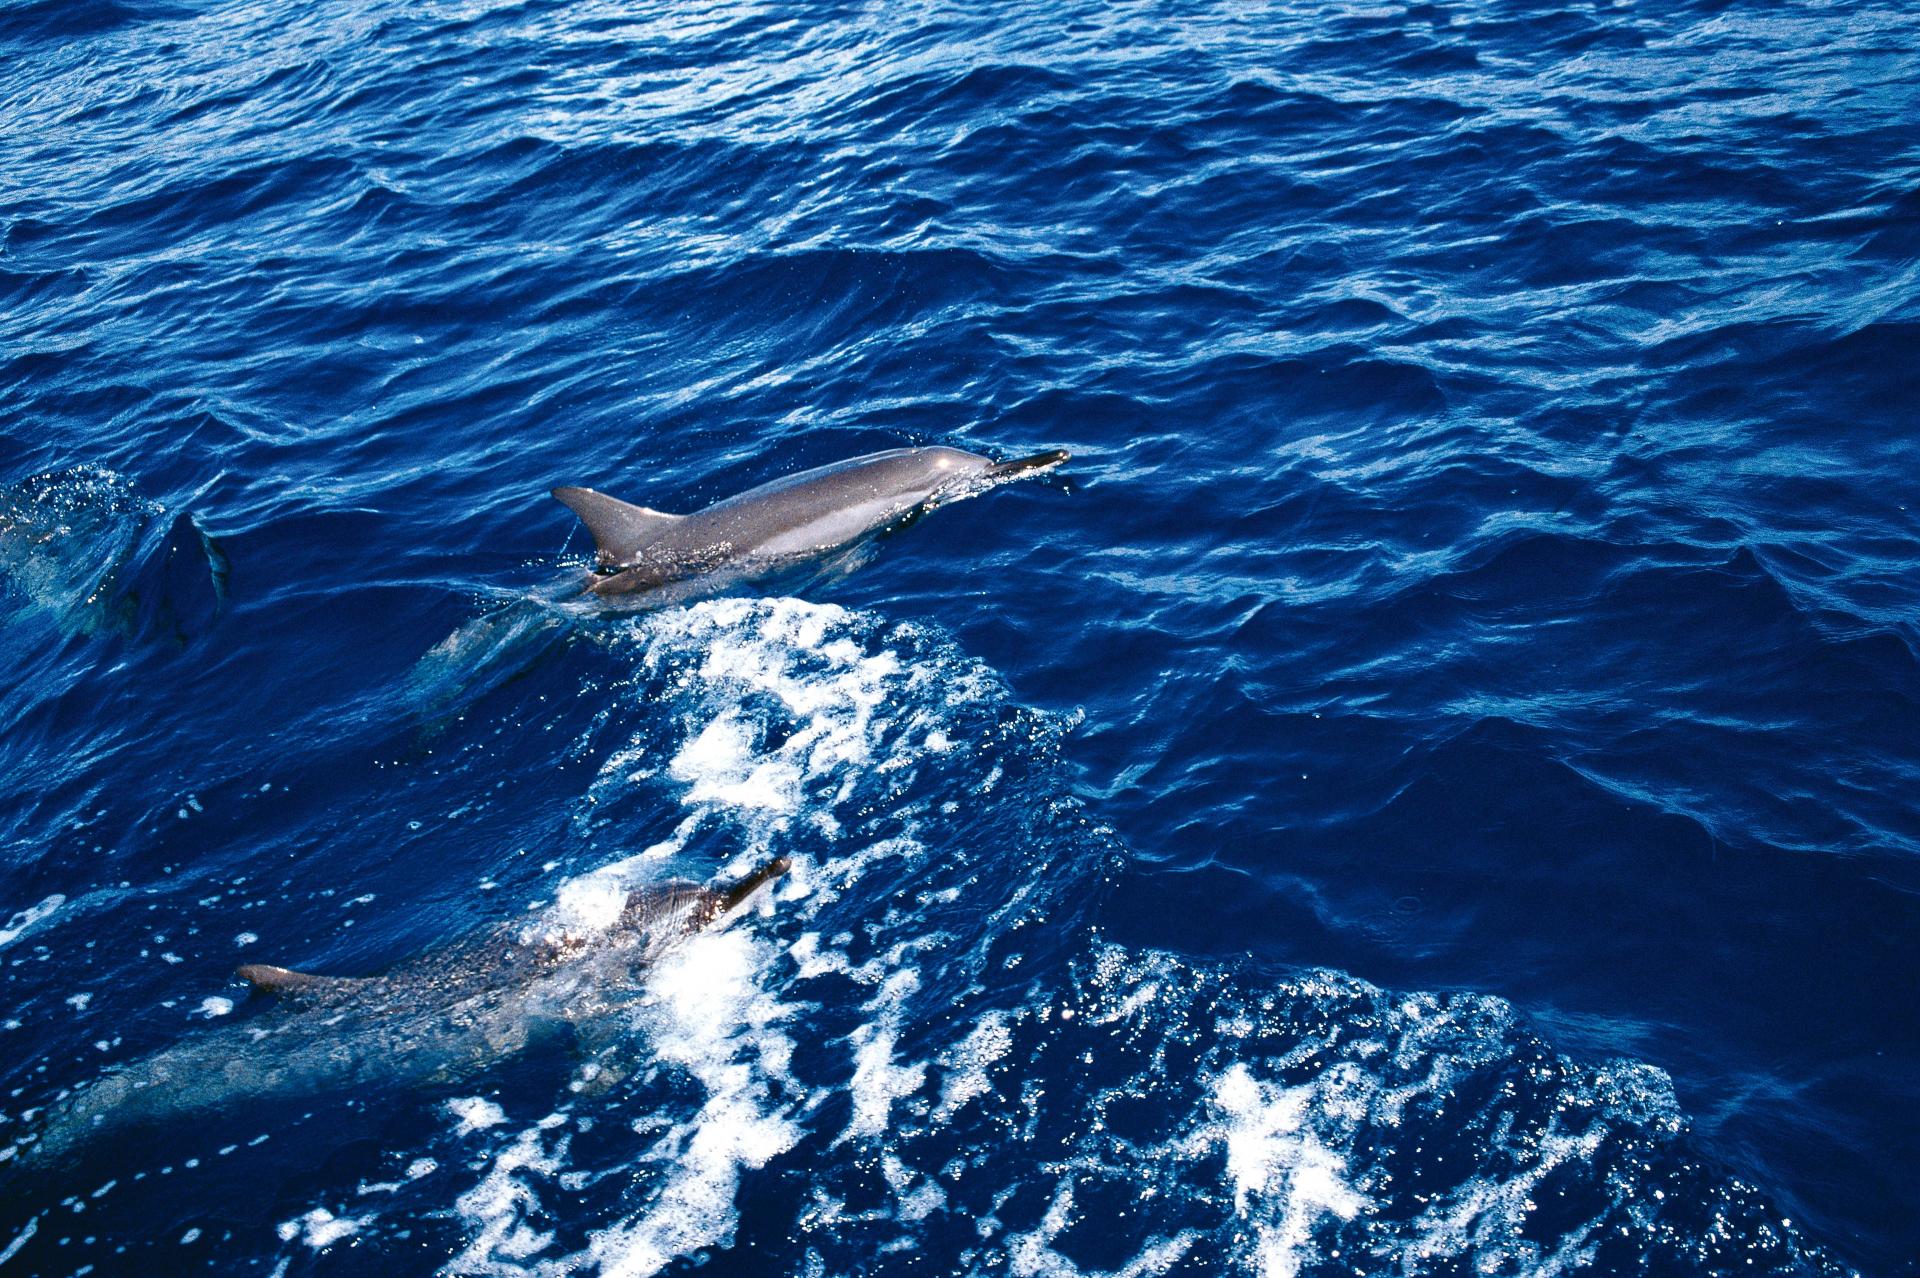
x=1432 y=788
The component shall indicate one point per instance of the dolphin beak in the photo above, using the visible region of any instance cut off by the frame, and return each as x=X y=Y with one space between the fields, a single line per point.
x=731 y=898
x=1028 y=465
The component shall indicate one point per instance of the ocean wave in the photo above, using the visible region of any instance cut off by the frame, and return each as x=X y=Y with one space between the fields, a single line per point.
x=1485 y=566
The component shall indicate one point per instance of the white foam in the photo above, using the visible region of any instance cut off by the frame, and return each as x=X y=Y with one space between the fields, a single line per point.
x=919 y=1196
x=1245 y=1114
x=706 y=1016
x=497 y=1211
x=784 y=705
x=1323 y=1072
x=1275 y=1159
x=968 y=1064
x=475 y=1113
x=720 y=765
x=20 y=1240
x=812 y=960
x=877 y=1082
x=589 y=904
x=320 y=1228
x=776 y=710
x=1485 y=1216
x=711 y=1018
x=215 y=1005
x=1032 y=1254
x=31 y=917
x=695 y=1208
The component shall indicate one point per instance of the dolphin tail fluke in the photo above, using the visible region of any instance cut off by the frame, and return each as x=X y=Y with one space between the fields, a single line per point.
x=620 y=529
x=1028 y=465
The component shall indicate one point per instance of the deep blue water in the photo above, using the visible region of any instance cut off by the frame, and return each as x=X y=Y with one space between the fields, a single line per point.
x=1432 y=788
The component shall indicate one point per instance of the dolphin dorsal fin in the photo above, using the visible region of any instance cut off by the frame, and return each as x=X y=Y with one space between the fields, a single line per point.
x=268 y=979
x=620 y=529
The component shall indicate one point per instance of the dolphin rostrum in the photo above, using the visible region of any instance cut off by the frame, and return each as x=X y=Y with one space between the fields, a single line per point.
x=437 y=1018
x=800 y=517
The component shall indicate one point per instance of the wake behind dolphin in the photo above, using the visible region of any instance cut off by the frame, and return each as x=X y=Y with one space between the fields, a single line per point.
x=800 y=517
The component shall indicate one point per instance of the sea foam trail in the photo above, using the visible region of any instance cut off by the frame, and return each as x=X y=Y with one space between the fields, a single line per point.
x=772 y=727
x=878 y=1070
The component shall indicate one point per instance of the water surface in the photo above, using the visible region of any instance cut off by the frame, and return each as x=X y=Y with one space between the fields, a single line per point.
x=1431 y=791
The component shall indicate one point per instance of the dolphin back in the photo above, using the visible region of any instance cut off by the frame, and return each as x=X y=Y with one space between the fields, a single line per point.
x=799 y=517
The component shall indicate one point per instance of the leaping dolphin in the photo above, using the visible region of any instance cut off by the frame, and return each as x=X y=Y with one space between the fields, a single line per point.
x=793 y=519
x=436 y=1018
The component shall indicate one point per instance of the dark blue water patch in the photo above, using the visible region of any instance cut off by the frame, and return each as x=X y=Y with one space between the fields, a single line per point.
x=32 y=25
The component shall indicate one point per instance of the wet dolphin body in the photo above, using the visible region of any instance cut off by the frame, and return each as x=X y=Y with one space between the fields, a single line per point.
x=790 y=520
x=437 y=1018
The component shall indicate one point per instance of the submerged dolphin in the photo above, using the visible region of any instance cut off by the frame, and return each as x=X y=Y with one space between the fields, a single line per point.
x=797 y=518
x=86 y=546
x=436 y=1018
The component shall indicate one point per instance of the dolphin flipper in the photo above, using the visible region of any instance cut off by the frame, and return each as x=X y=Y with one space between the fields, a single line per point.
x=620 y=529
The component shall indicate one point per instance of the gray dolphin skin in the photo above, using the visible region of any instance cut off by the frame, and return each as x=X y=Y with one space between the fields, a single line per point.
x=799 y=517
x=438 y=1018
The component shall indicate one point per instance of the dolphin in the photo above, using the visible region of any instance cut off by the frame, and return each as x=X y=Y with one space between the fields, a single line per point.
x=84 y=545
x=800 y=517
x=437 y=1018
